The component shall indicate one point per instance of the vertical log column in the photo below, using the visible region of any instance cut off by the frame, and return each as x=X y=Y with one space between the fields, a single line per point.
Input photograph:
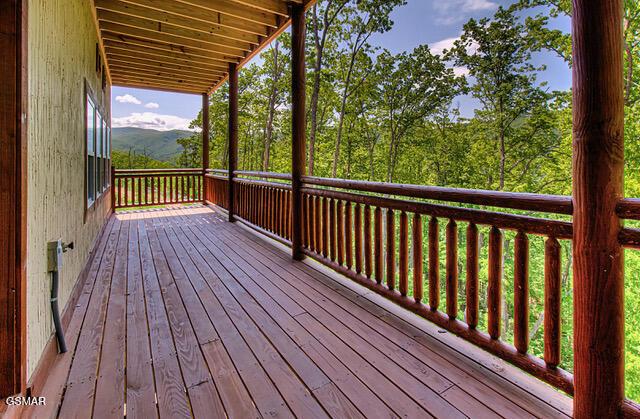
x=205 y=141
x=298 y=129
x=598 y=157
x=233 y=136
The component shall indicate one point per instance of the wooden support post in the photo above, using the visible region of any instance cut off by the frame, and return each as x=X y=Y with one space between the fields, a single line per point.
x=113 y=188
x=233 y=136
x=13 y=205
x=298 y=125
x=205 y=142
x=598 y=158
x=205 y=133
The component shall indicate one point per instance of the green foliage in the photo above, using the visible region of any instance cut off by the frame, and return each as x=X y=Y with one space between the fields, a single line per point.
x=134 y=160
x=380 y=116
x=159 y=145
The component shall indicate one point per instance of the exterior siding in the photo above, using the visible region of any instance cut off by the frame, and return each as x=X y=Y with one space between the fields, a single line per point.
x=62 y=43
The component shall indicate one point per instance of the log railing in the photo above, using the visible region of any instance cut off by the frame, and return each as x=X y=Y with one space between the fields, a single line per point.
x=398 y=241
x=150 y=187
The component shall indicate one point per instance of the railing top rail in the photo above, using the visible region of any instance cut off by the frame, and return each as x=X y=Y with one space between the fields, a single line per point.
x=148 y=171
x=266 y=175
x=556 y=204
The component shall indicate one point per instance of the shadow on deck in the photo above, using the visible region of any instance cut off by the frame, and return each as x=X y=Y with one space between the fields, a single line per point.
x=183 y=314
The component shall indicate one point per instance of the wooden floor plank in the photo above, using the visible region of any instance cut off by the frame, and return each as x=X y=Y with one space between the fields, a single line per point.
x=183 y=314
x=403 y=379
x=171 y=392
x=298 y=396
x=221 y=264
x=361 y=396
x=472 y=385
x=79 y=395
x=140 y=383
x=264 y=394
x=54 y=386
x=110 y=383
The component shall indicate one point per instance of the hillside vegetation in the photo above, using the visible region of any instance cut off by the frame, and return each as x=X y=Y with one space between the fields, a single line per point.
x=153 y=144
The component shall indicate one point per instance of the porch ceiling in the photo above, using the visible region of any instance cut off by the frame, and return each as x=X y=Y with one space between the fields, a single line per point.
x=186 y=45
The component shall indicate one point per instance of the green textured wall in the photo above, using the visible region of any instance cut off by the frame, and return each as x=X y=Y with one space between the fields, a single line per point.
x=62 y=43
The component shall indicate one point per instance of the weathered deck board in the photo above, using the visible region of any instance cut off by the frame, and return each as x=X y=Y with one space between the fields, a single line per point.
x=185 y=315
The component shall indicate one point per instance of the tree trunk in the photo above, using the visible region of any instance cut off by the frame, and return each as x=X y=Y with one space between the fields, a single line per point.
x=315 y=94
x=273 y=99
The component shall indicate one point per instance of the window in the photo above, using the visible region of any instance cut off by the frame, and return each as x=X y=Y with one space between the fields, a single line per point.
x=99 y=171
x=106 y=156
x=91 y=153
x=98 y=138
x=108 y=145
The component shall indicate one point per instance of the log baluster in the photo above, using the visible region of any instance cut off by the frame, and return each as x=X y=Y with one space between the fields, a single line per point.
x=325 y=227
x=306 y=236
x=391 y=250
x=452 y=269
x=521 y=297
x=377 y=241
x=403 y=268
x=126 y=192
x=494 y=289
x=332 y=229
x=472 y=276
x=340 y=231
x=358 y=237
x=552 y=302
x=348 y=234
x=318 y=227
x=434 y=264
x=312 y=223
x=368 y=265
x=417 y=257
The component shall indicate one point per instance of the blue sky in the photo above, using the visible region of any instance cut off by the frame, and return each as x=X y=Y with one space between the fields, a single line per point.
x=434 y=22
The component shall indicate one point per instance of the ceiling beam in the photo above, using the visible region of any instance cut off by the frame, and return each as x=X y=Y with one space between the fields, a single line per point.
x=134 y=25
x=123 y=59
x=122 y=82
x=168 y=18
x=169 y=72
x=168 y=47
x=163 y=38
x=123 y=48
x=278 y=7
x=203 y=15
x=159 y=76
x=145 y=78
x=231 y=8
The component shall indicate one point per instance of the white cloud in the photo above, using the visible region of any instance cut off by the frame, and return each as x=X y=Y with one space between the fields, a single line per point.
x=152 y=105
x=438 y=47
x=454 y=11
x=151 y=120
x=128 y=99
x=461 y=71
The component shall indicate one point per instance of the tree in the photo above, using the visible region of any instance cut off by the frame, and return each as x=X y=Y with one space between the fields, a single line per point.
x=413 y=87
x=362 y=20
x=497 y=54
x=324 y=17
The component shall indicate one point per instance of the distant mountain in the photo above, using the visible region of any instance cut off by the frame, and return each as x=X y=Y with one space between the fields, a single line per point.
x=160 y=145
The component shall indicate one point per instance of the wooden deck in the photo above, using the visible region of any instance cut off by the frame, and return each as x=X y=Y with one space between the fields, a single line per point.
x=183 y=314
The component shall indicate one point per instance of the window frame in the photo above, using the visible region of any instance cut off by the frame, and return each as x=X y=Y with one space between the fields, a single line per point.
x=101 y=150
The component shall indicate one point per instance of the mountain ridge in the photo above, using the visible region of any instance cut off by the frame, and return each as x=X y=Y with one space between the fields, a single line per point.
x=159 y=145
